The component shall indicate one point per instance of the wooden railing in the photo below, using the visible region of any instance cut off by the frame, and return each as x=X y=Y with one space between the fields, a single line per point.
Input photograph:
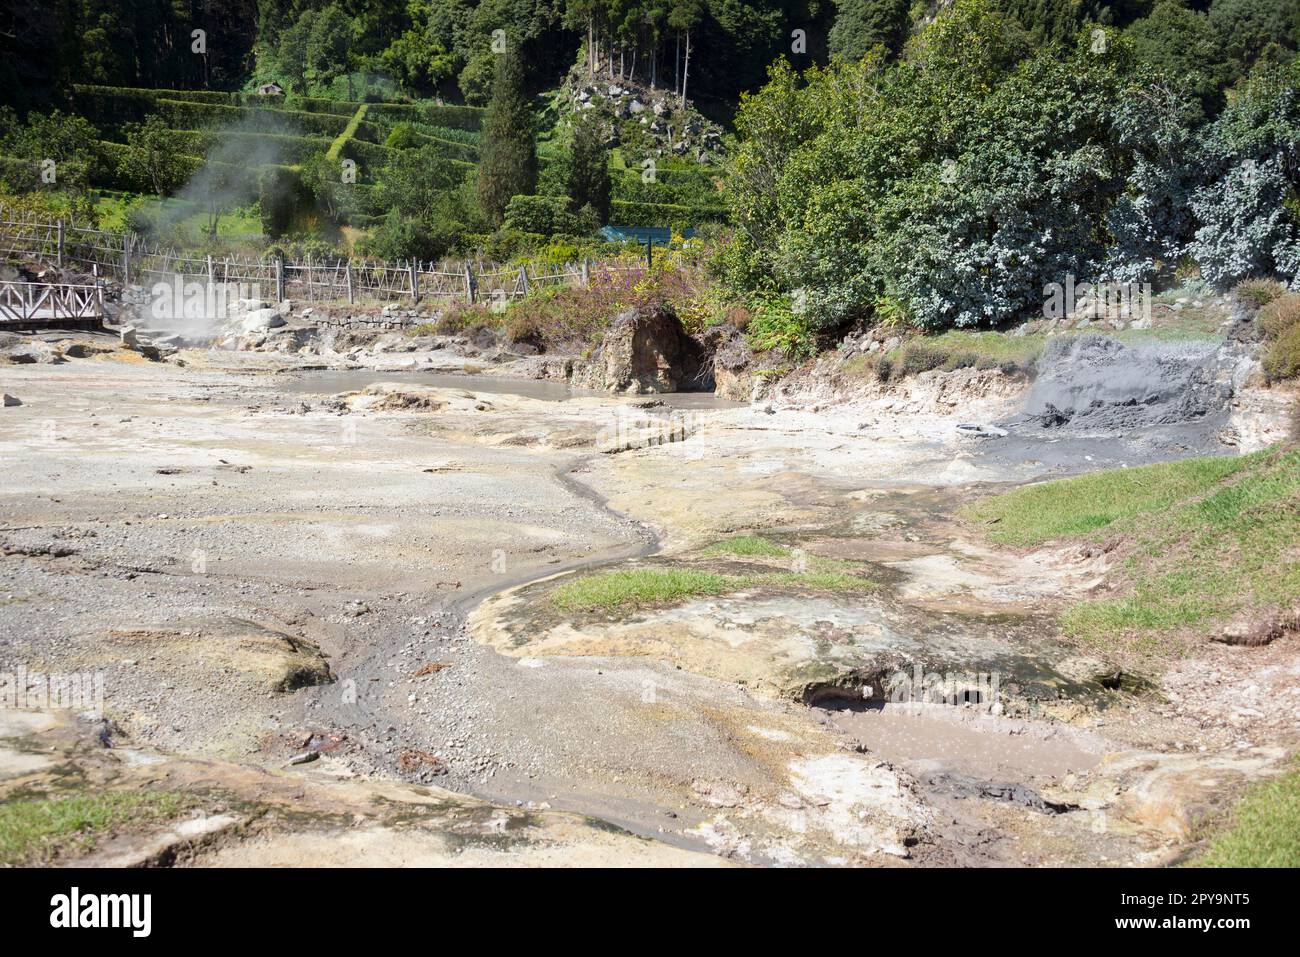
x=34 y=303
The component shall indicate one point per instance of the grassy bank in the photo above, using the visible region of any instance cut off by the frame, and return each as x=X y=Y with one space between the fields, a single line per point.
x=1196 y=542
x=37 y=831
x=1263 y=830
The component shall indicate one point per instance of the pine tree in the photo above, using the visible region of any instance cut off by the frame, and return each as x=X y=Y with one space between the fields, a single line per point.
x=509 y=153
x=589 y=168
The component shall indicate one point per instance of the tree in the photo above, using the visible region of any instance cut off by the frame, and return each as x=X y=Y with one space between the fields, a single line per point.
x=1248 y=28
x=508 y=166
x=292 y=59
x=430 y=205
x=684 y=16
x=1183 y=45
x=863 y=24
x=66 y=141
x=588 y=182
x=153 y=158
x=953 y=185
x=327 y=45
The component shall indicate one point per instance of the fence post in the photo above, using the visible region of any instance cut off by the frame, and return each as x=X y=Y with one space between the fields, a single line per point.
x=523 y=278
x=126 y=258
x=212 y=276
x=279 y=279
x=347 y=272
x=649 y=252
x=415 y=283
x=59 y=245
x=586 y=271
x=469 y=283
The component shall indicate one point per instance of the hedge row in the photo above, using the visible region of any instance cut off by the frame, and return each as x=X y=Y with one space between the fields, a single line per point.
x=304 y=104
x=287 y=148
x=115 y=105
x=623 y=213
x=370 y=157
x=677 y=191
x=456 y=117
x=448 y=148
x=187 y=115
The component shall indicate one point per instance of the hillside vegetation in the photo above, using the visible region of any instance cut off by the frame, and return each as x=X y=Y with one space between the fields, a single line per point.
x=937 y=167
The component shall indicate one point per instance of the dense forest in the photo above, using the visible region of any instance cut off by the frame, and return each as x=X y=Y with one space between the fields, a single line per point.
x=864 y=160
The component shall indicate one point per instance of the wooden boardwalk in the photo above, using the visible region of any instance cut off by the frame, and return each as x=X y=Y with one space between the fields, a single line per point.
x=38 y=305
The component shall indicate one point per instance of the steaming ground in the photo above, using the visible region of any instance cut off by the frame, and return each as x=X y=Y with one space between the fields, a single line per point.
x=259 y=568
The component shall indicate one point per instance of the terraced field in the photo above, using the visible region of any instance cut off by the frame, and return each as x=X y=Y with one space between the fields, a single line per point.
x=233 y=132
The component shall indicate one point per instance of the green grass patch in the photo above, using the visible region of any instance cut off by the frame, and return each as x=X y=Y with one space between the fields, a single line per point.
x=639 y=586
x=747 y=545
x=818 y=581
x=32 y=832
x=1077 y=506
x=1200 y=541
x=1263 y=830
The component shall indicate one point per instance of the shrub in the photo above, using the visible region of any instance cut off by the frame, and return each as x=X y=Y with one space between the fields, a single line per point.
x=915 y=358
x=775 y=325
x=460 y=317
x=1279 y=315
x=1282 y=357
x=547 y=215
x=1280 y=323
x=402 y=136
x=525 y=327
x=1259 y=292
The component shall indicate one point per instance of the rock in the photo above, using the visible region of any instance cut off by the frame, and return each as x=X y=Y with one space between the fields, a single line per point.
x=130 y=338
x=1258 y=627
x=646 y=350
x=981 y=431
x=636 y=106
x=10 y=400
x=732 y=358
x=260 y=320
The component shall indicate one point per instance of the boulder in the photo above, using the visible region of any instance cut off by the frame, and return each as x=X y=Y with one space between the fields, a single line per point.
x=646 y=350
x=260 y=320
x=732 y=359
x=9 y=400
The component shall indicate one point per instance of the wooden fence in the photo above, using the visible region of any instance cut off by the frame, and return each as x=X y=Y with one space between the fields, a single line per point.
x=129 y=259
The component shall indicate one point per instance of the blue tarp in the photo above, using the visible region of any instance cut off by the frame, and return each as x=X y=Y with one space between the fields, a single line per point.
x=659 y=235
